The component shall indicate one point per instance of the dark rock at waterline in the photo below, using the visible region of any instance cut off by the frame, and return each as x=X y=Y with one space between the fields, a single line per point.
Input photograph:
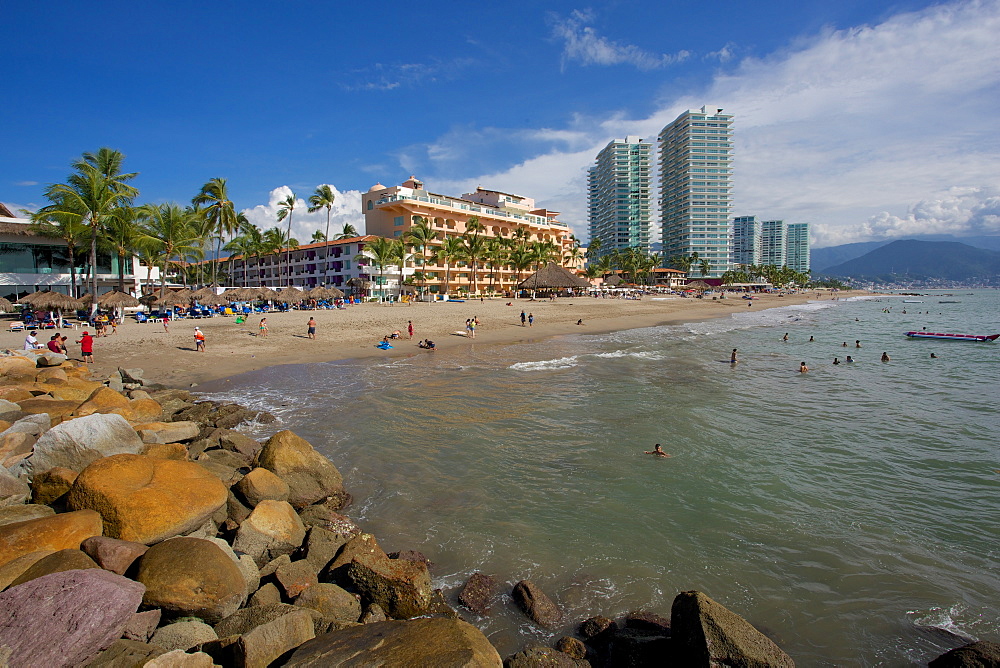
x=640 y=647
x=418 y=642
x=982 y=654
x=412 y=555
x=597 y=627
x=536 y=605
x=542 y=657
x=706 y=633
x=647 y=621
x=477 y=594
x=402 y=588
x=65 y=619
x=572 y=646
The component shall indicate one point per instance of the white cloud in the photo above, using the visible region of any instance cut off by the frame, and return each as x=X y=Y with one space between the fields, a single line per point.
x=26 y=183
x=346 y=209
x=832 y=130
x=582 y=43
x=390 y=76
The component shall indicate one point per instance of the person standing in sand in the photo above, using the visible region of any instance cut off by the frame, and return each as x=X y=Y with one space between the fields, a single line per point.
x=166 y=324
x=409 y=328
x=531 y=320
x=523 y=318
x=263 y=328
x=87 y=347
x=199 y=340
x=311 y=328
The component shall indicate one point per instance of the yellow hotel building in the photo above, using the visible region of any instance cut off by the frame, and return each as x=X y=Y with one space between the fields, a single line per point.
x=390 y=212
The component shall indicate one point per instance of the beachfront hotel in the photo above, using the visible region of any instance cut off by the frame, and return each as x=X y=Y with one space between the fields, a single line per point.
x=328 y=264
x=390 y=211
x=618 y=196
x=695 y=184
x=770 y=242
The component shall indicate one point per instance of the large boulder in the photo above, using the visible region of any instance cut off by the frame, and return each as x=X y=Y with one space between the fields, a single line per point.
x=191 y=577
x=260 y=485
x=23 y=512
x=57 y=562
x=295 y=577
x=58 y=532
x=78 y=443
x=334 y=603
x=265 y=633
x=536 y=605
x=183 y=635
x=167 y=432
x=981 y=654
x=58 y=410
x=546 y=657
x=271 y=530
x=112 y=554
x=13 y=490
x=477 y=594
x=126 y=653
x=16 y=365
x=145 y=499
x=706 y=633
x=66 y=619
x=402 y=588
x=13 y=569
x=103 y=400
x=311 y=477
x=418 y=642
x=48 y=486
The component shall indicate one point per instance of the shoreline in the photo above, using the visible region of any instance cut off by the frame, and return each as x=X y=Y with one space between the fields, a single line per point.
x=345 y=334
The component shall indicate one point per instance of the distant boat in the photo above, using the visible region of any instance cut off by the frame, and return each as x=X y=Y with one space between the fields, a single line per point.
x=952 y=337
x=913 y=301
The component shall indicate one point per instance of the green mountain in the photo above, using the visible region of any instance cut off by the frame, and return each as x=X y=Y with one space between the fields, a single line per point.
x=922 y=260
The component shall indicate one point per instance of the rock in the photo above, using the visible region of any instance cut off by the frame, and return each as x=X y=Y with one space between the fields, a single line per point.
x=15 y=394
x=16 y=364
x=363 y=543
x=271 y=567
x=332 y=602
x=572 y=646
x=112 y=554
x=259 y=485
x=638 y=647
x=24 y=512
x=325 y=516
x=103 y=400
x=183 y=635
x=311 y=477
x=647 y=621
x=251 y=574
x=16 y=443
x=9 y=411
x=266 y=632
x=191 y=577
x=48 y=486
x=234 y=441
x=57 y=562
x=144 y=499
x=477 y=594
x=141 y=625
x=373 y=614
x=84 y=612
x=272 y=529
x=55 y=373
x=57 y=409
x=412 y=555
x=13 y=490
x=236 y=512
x=982 y=654
x=143 y=410
x=706 y=633
x=167 y=432
x=13 y=569
x=80 y=442
x=178 y=658
x=36 y=425
x=402 y=588
x=49 y=359
x=228 y=475
x=58 y=532
x=538 y=607
x=418 y=642
x=321 y=546
x=542 y=657
x=226 y=458
x=295 y=578
x=266 y=595
x=126 y=653
x=596 y=628
x=175 y=451
x=131 y=375
x=227 y=419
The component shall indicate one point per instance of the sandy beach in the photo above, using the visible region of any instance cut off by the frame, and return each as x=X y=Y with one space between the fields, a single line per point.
x=170 y=357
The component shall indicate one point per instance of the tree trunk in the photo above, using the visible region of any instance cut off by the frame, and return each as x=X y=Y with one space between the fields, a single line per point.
x=326 y=248
x=93 y=268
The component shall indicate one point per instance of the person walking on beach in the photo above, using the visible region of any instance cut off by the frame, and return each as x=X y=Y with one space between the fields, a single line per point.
x=658 y=451
x=523 y=318
x=531 y=319
x=166 y=324
x=87 y=347
x=311 y=328
x=472 y=327
x=409 y=328
x=199 y=340
x=263 y=328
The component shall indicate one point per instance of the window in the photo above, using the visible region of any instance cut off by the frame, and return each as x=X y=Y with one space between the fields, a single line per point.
x=398 y=222
x=370 y=205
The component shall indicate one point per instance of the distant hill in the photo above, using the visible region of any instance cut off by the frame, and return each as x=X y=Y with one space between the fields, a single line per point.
x=922 y=260
x=823 y=258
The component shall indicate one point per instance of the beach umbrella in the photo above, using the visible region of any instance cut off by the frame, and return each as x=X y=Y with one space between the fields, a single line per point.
x=613 y=281
x=117 y=300
x=5 y=305
x=208 y=290
x=324 y=293
x=213 y=300
x=238 y=294
x=698 y=285
x=552 y=276
x=267 y=294
x=54 y=302
x=184 y=294
x=291 y=295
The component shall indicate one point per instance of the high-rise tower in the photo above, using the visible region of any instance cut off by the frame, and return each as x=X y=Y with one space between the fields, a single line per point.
x=618 y=195
x=695 y=183
x=797 y=247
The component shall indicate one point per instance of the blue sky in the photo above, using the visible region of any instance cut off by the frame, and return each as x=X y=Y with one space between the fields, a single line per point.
x=871 y=120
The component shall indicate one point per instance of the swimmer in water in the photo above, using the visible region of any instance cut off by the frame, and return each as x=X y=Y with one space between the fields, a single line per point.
x=732 y=358
x=857 y=344
x=849 y=359
x=844 y=344
x=785 y=337
x=803 y=368
x=836 y=360
x=658 y=451
x=933 y=356
x=811 y=339
x=885 y=357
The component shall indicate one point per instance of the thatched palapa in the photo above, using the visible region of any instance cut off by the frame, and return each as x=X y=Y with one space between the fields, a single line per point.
x=552 y=276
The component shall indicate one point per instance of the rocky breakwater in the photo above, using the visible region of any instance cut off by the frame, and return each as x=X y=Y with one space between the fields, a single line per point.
x=137 y=527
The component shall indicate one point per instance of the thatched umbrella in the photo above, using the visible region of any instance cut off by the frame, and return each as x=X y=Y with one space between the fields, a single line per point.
x=552 y=276
x=51 y=301
x=267 y=293
x=613 y=281
x=239 y=294
x=184 y=294
x=117 y=300
x=291 y=295
x=5 y=305
x=213 y=300
x=324 y=293
x=208 y=290
x=698 y=285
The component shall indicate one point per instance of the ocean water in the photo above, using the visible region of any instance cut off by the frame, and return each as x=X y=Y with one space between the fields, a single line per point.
x=851 y=513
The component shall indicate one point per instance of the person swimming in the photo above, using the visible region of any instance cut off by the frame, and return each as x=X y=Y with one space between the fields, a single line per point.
x=836 y=360
x=785 y=337
x=933 y=356
x=803 y=368
x=658 y=451
x=885 y=357
x=849 y=359
x=732 y=358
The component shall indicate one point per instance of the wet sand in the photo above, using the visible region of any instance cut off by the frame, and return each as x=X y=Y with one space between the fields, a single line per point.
x=170 y=357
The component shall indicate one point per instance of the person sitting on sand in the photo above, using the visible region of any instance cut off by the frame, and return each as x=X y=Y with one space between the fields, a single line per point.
x=885 y=357
x=803 y=368
x=580 y=321
x=658 y=451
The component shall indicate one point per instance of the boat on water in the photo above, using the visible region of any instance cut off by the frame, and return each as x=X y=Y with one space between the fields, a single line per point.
x=952 y=337
x=913 y=301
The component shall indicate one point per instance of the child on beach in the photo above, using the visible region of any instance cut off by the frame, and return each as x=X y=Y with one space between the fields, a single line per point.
x=87 y=347
x=199 y=340
x=263 y=327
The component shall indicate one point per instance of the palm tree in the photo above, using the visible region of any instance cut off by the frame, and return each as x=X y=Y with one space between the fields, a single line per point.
x=318 y=237
x=220 y=211
x=451 y=250
x=285 y=211
x=121 y=234
x=400 y=258
x=683 y=262
x=96 y=189
x=272 y=243
x=247 y=245
x=494 y=255
x=474 y=246
x=704 y=267
x=349 y=232
x=520 y=258
x=69 y=229
x=323 y=199
x=382 y=252
x=419 y=236
x=594 y=250
x=170 y=233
